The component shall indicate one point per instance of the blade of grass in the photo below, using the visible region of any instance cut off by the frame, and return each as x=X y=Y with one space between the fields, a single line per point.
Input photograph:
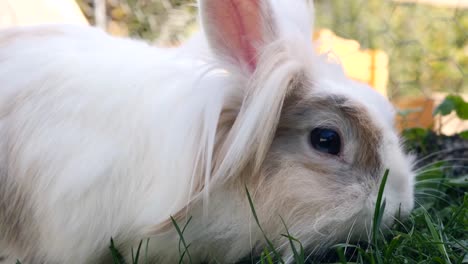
x=459 y=211
x=183 y=230
x=378 y=214
x=181 y=259
x=391 y=247
x=116 y=255
x=436 y=236
x=146 y=251
x=298 y=256
x=135 y=261
x=269 y=243
x=181 y=236
x=341 y=255
x=266 y=255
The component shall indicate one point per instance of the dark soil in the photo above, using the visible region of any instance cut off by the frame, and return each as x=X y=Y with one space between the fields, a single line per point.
x=432 y=148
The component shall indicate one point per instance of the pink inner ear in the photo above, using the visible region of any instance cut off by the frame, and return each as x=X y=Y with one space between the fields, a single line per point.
x=237 y=26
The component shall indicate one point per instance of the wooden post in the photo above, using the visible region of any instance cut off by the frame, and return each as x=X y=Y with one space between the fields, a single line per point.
x=100 y=14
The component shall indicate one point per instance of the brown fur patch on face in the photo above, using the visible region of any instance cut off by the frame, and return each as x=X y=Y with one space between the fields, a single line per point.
x=9 y=36
x=369 y=136
x=354 y=120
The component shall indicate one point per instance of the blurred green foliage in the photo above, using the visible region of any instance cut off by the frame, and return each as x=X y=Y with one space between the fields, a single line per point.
x=427 y=45
x=166 y=22
x=453 y=103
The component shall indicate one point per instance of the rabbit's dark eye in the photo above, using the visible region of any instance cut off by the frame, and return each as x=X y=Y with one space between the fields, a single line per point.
x=325 y=140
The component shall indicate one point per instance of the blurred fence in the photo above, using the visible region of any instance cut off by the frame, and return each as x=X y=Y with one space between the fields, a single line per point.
x=425 y=41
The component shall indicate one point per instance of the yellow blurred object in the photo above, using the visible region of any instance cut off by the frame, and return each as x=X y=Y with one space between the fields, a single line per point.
x=371 y=67
x=118 y=13
x=32 y=12
x=368 y=66
x=117 y=29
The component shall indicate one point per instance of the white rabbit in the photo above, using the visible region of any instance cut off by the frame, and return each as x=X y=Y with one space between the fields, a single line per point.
x=106 y=137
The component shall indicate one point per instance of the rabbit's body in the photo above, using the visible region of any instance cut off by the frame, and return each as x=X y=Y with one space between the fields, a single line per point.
x=105 y=137
x=78 y=143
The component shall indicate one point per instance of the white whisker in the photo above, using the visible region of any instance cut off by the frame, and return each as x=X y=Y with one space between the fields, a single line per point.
x=436 y=153
x=396 y=219
x=348 y=238
x=419 y=172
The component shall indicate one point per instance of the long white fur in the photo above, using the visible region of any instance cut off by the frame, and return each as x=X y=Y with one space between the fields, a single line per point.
x=110 y=125
x=94 y=125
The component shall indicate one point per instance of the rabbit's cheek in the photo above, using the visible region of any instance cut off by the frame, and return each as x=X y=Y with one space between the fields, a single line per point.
x=399 y=189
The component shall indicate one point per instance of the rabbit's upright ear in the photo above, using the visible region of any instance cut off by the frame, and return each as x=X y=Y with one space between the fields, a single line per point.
x=238 y=29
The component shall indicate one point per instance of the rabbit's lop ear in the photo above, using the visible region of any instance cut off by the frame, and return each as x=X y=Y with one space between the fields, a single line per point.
x=237 y=29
